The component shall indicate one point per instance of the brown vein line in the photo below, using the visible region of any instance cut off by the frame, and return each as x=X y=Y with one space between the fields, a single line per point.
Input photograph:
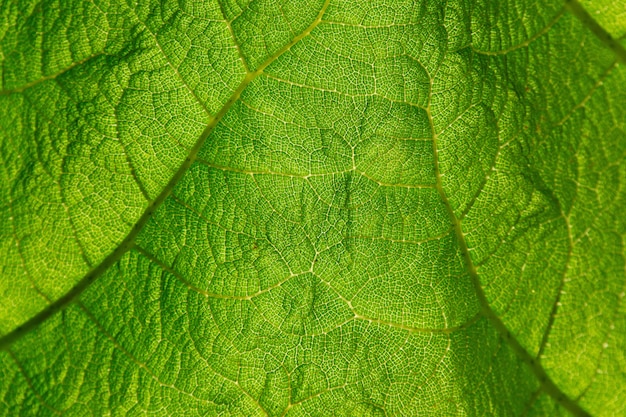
x=548 y=386
x=583 y=15
x=128 y=243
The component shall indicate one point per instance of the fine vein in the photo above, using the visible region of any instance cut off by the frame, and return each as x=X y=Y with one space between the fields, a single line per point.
x=128 y=243
x=548 y=386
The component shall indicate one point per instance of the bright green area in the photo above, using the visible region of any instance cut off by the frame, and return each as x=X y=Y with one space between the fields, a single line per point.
x=610 y=14
x=397 y=205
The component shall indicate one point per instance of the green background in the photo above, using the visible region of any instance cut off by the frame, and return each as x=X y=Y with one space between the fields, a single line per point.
x=311 y=208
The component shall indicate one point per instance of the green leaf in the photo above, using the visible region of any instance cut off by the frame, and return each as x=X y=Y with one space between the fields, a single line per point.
x=311 y=208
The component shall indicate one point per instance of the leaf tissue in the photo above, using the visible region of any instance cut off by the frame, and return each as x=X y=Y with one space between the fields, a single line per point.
x=312 y=208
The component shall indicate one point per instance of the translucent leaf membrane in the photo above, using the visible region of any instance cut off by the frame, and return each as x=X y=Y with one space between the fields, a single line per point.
x=298 y=209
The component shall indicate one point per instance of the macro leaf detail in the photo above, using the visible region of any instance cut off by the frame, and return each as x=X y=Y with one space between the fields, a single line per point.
x=311 y=208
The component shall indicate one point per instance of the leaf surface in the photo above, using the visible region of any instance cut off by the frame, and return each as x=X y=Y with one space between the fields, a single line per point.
x=327 y=207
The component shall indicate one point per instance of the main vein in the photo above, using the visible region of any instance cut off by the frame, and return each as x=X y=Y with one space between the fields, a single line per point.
x=548 y=386
x=128 y=242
